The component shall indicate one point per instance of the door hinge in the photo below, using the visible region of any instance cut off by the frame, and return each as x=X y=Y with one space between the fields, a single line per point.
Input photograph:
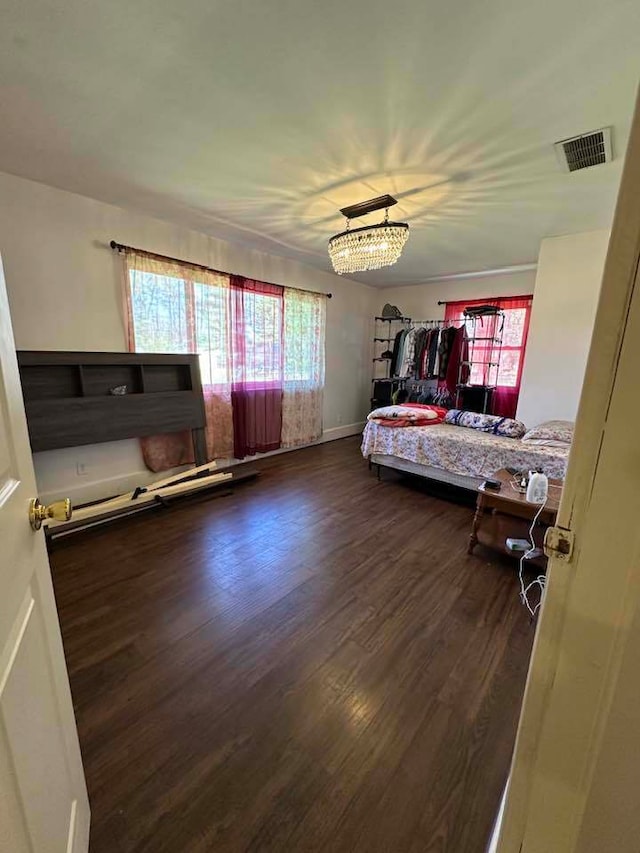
x=559 y=543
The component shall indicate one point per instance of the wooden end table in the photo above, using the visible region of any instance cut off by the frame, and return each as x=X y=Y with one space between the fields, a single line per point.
x=510 y=513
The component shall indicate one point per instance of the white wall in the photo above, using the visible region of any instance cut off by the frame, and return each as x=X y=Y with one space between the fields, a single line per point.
x=564 y=306
x=64 y=294
x=421 y=300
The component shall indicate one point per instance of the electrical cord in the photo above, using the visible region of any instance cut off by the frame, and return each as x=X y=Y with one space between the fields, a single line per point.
x=541 y=579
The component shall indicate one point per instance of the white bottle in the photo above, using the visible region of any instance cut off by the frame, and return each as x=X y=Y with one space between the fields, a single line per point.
x=538 y=487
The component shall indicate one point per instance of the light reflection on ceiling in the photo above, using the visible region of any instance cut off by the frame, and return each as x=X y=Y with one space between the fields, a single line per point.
x=257 y=122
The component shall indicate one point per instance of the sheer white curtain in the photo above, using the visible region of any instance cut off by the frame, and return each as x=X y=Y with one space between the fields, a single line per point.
x=176 y=307
x=304 y=357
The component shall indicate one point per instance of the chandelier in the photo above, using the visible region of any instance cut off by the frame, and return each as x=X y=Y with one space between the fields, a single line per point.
x=372 y=246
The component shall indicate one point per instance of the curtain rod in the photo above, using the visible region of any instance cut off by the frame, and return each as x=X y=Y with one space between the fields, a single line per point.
x=120 y=247
x=487 y=300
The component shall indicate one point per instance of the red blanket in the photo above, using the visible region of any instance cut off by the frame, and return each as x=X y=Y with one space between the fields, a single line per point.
x=412 y=419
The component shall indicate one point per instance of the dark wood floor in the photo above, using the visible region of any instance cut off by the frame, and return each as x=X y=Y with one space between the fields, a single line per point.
x=311 y=664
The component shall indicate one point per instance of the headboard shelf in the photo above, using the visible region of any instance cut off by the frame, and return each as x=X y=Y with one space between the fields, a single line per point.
x=97 y=379
x=68 y=398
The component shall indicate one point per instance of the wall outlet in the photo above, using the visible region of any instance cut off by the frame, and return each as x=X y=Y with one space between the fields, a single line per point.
x=81 y=469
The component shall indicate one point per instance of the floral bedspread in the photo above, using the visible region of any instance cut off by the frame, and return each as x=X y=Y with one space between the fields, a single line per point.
x=463 y=451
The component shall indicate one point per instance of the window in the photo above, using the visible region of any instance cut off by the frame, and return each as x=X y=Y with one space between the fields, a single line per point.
x=282 y=339
x=506 y=372
x=261 y=343
x=303 y=340
x=159 y=306
x=261 y=350
x=211 y=337
x=514 y=339
x=177 y=315
x=516 y=322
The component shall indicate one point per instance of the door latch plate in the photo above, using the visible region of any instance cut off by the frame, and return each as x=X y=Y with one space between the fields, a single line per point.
x=559 y=543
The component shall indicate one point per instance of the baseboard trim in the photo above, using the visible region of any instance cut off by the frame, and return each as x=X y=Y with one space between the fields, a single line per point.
x=340 y=432
x=94 y=490
x=331 y=434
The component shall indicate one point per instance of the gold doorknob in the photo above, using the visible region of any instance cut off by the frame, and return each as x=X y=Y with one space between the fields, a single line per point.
x=58 y=510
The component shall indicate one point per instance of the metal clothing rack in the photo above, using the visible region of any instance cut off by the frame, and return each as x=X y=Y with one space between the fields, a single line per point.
x=382 y=341
x=429 y=323
x=491 y=355
x=383 y=337
x=379 y=337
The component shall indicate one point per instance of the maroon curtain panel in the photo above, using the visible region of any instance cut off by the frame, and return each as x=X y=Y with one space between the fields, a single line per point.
x=257 y=365
x=257 y=421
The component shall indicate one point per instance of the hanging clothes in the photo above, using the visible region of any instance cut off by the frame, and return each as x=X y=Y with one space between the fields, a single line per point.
x=444 y=351
x=397 y=346
x=457 y=363
x=421 y=337
x=424 y=361
x=433 y=363
x=408 y=354
x=420 y=357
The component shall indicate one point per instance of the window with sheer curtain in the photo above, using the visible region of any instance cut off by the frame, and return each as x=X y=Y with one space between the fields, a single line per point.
x=517 y=310
x=261 y=349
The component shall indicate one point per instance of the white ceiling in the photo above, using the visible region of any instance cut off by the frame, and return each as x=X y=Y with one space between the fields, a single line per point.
x=255 y=121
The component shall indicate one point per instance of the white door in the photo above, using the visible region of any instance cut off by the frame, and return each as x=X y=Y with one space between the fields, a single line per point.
x=43 y=797
x=575 y=779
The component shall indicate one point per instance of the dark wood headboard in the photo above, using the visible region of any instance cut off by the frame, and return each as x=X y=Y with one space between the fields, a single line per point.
x=68 y=400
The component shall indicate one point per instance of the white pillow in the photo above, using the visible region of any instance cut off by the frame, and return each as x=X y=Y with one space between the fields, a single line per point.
x=551 y=434
x=402 y=412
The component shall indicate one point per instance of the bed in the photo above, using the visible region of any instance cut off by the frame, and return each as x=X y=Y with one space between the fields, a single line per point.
x=456 y=455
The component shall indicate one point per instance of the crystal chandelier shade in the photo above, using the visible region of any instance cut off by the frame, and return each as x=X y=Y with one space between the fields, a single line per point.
x=368 y=248
x=372 y=246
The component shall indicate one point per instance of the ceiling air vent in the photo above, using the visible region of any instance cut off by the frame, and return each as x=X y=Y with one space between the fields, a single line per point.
x=588 y=149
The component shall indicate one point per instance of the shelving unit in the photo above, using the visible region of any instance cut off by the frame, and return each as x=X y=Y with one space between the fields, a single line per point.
x=491 y=352
x=384 y=335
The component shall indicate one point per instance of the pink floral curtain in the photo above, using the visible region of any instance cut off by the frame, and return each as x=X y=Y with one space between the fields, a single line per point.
x=304 y=360
x=261 y=353
x=175 y=307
